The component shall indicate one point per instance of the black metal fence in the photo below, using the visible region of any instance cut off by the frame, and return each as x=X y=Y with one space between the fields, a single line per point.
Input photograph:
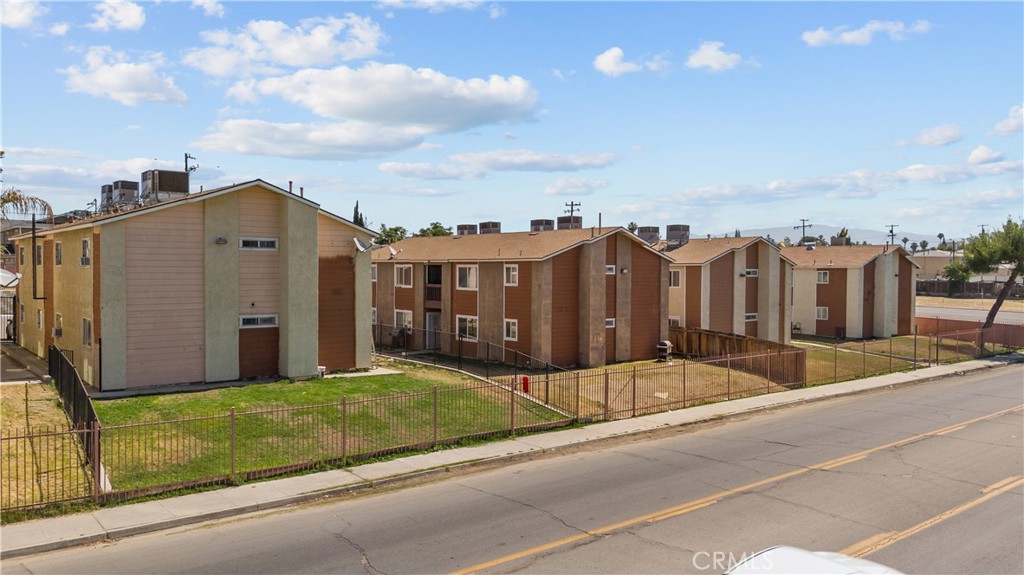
x=72 y=391
x=472 y=355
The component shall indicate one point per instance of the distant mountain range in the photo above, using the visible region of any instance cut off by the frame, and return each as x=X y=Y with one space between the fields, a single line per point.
x=856 y=235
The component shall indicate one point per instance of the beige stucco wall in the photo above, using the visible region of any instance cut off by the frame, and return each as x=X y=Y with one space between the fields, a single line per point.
x=623 y=297
x=768 y=263
x=113 y=306
x=855 y=303
x=363 y=303
x=31 y=336
x=299 y=321
x=787 y=304
x=805 y=297
x=221 y=286
x=705 y=296
x=886 y=294
x=739 y=292
x=592 y=304
x=677 y=295
x=73 y=299
x=540 y=320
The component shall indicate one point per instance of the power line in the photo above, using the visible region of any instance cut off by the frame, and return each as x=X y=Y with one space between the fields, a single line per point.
x=803 y=228
x=892 y=234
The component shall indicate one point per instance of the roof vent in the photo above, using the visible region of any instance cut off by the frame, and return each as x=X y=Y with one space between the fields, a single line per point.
x=490 y=227
x=542 y=225
x=677 y=234
x=809 y=247
x=465 y=230
x=649 y=234
x=570 y=222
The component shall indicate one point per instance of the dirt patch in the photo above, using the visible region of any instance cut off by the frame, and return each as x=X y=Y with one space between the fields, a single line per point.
x=969 y=303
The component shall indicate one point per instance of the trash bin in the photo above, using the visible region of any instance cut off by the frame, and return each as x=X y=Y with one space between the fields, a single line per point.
x=664 y=350
x=840 y=333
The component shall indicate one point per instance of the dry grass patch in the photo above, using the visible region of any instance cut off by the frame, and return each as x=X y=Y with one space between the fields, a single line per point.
x=969 y=303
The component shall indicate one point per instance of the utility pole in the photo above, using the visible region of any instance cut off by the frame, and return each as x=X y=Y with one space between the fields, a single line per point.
x=892 y=234
x=189 y=169
x=572 y=211
x=982 y=226
x=803 y=229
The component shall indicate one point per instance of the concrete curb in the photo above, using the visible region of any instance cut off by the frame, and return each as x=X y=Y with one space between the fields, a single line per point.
x=32 y=543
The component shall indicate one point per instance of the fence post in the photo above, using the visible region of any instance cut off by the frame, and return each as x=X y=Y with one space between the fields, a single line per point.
x=547 y=383
x=683 y=367
x=890 y=354
x=634 y=391
x=864 y=357
x=487 y=360
x=459 y=337
x=97 y=469
x=232 y=443
x=344 y=430
x=728 y=377
x=606 y=395
x=768 y=377
x=577 y=409
x=512 y=408
x=835 y=362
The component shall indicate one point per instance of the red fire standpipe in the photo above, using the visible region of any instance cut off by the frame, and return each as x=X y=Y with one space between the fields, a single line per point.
x=526 y=384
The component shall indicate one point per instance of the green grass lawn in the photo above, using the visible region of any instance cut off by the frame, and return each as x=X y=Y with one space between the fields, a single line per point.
x=299 y=423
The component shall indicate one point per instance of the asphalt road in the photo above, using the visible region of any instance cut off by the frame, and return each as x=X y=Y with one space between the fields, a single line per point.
x=860 y=474
x=1010 y=317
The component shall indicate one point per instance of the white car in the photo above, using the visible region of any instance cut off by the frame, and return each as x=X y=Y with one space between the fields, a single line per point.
x=796 y=561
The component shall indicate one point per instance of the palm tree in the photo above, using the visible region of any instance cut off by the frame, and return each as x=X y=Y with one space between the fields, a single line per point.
x=913 y=247
x=905 y=240
x=12 y=201
x=924 y=245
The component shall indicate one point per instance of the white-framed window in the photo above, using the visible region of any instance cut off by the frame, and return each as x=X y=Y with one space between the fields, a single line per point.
x=373 y=315
x=257 y=243
x=823 y=277
x=403 y=318
x=260 y=320
x=609 y=269
x=373 y=272
x=673 y=321
x=609 y=322
x=466 y=277
x=403 y=276
x=39 y=319
x=821 y=312
x=750 y=317
x=86 y=332
x=511 y=330
x=750 y=273
x=58 y=253
x=39 y=255
x=467 y=326
x=511 y=274
x=673 y=278
x=86 y=252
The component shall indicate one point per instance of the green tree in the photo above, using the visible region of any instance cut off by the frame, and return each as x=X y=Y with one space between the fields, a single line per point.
x=924 y=245
x=905 y=240
x=12 y=201
x=985 y=252
x=391 y=235
x=357 y=217
x=632 y=227
x=913 y=247
x=435 y=229
x=942 y=241
x=957 y=274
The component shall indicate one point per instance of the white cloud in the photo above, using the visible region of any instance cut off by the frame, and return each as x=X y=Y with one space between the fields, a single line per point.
x=109 y=73
x=16 y=152
x=573 y=187
x=986 y=198
x=863 y=36
x=337 y=141
x=21 y=14
x=533 y=161
x=394 y=94
x=984 y=155
x=60 y=29
x=1013 y=123
x=117 y=15
x=915 y=212
x=424 y=171
x=711 y=56
x=611 y=63
x=263 y=46
x=209 y=7
x=938 y=136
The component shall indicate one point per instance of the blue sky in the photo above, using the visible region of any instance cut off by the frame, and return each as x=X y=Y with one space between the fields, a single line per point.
x=719 y=115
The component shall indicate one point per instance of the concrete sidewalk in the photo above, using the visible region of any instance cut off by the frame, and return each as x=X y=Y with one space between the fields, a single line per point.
x=122 y=521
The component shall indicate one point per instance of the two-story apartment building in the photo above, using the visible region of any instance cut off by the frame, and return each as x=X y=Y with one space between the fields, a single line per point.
x=853 y=291
x=243 y=281
x=570 y=297
x=735 y=285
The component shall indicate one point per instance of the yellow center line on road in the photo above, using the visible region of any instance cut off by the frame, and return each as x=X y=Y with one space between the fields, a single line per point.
x=883 y=540
x=683 y=508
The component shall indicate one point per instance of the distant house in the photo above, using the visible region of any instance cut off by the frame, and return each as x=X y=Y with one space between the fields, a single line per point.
x=569 y=297
x=853 y=291
x=735 y=285
x=243 y=281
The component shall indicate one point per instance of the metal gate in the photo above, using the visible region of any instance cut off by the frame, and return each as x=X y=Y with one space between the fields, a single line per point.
x=8 y=321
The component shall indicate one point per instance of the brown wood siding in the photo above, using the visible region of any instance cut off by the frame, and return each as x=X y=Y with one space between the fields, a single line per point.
x=405 y=298
x=464 y=302
x=518 y=306
x=692 y=301
x=609 y=295
x=645 y=304
x=609 y=345
x=869 y=299
x=258 y=352
x=259 y=271
x=752 y=259
x=337 y=300
x=833 y=296
x=721 y=308
x=750 y=328
x=164 y=305
x=904 y=321
x=752 y=292
x=565 y=289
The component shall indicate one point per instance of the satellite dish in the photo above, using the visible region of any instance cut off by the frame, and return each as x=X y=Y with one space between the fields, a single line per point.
x=394 y=252
x=8 y=279
x=360 y=246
